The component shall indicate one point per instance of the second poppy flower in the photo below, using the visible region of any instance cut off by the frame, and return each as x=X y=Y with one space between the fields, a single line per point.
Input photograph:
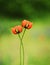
x=26 y=24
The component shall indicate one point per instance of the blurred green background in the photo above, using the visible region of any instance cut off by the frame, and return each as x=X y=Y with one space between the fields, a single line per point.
x=36 y=40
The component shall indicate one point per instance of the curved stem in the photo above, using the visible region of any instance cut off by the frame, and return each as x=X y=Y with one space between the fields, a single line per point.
x=23 y=33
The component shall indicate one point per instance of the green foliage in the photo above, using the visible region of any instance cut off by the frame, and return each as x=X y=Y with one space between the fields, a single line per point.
x=24 y=8
x=38 y=61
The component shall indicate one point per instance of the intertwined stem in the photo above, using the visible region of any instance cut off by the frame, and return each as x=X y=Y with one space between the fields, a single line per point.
x=21 y=45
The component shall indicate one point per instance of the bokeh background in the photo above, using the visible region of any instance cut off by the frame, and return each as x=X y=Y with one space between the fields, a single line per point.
x=36 y=40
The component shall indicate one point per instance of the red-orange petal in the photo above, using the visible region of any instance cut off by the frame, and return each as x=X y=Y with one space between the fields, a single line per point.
x=24 y=22
x=13 y=31
x=30 y=25
x=19 y=28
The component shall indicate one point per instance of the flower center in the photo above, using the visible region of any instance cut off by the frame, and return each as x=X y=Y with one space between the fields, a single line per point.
x=27 y=25
x=16 y=30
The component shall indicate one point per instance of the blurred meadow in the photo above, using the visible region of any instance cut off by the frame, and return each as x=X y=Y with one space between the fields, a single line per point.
x=36 y=40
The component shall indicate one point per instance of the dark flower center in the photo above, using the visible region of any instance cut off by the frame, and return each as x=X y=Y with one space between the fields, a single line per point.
x=17 y=31
x=26 y=25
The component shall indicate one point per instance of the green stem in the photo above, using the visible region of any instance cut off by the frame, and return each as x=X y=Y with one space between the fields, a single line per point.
x=21 y=45
x=22 y=49
x=23 y=33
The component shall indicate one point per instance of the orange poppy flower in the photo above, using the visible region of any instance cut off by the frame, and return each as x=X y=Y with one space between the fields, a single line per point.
x=26 y=24
x=17 y=29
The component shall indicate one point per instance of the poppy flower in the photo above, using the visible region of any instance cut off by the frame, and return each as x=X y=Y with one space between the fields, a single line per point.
x=17 y=29
x=26 y=24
